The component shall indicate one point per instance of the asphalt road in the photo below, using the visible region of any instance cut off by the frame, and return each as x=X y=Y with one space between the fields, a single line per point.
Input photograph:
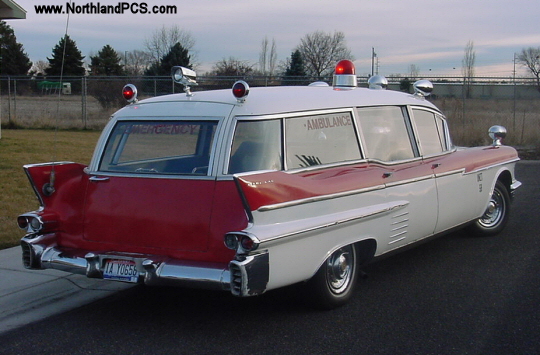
x=456 y=294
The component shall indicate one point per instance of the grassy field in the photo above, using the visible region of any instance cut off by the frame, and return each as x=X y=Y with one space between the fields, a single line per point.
x=20 y=147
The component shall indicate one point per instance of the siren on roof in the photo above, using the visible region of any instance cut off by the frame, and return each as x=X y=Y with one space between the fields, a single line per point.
x=185 y=77
x=345 y=76
x=422 y=88
x=378 y=82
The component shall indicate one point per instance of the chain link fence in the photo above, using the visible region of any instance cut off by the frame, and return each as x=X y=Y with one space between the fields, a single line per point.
x=88 y=102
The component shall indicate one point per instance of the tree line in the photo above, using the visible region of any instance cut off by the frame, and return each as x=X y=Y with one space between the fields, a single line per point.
x=314 y=56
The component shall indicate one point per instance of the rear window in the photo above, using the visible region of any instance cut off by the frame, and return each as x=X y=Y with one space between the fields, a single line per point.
x=159 y=147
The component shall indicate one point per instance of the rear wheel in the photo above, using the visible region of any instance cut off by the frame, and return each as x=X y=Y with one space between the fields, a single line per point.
x=496 y=215
x=334 y=283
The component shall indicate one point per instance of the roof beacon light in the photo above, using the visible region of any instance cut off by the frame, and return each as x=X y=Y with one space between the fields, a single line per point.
x=240 y=90
x=130 y=93
x=422 y=88
x=378 y=82
x=345 y=76
x=186 y=77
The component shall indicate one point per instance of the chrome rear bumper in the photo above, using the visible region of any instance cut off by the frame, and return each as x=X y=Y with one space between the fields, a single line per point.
x=251 y=273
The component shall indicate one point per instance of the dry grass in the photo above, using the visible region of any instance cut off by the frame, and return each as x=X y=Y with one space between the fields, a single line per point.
x=19 y=147
x=470 y=122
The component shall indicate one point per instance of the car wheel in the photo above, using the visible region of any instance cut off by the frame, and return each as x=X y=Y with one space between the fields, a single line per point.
x=496 y=215
x=334 y=283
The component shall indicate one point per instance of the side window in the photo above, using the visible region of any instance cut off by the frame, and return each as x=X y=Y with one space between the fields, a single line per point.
x=430 y=130
x=256 y=146
x=320 y=139
x=385 y=133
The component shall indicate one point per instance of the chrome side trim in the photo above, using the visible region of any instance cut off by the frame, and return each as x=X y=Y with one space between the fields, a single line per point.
x=410 y=181
x=452 y=172
x=372 y=212
x=492 y=166
x=318 y=198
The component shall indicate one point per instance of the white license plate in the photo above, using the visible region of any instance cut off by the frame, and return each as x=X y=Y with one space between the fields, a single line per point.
x=121 y=270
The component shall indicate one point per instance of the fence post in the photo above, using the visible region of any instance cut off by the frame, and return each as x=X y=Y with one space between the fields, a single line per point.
x=9 y=100
x=84 y=92
x=15 y=99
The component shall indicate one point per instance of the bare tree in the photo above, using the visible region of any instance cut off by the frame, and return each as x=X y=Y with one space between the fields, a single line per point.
x=272 y=58
x=232 y=67
x=39 y=67
x=136 y=62
x=530 y=57
x=321 y=51
x=162 y=40
x=267 y=60
x=467 y=67
x=263 y=56
x=414 y=71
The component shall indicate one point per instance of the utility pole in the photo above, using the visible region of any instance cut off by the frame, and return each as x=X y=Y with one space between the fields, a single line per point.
x=514 y=125
x=373 y=56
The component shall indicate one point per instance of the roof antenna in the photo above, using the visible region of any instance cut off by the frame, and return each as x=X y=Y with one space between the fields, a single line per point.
x=48 y=188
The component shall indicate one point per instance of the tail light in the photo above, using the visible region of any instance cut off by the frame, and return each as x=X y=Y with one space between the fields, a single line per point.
x=36 y=223
x=241 y=242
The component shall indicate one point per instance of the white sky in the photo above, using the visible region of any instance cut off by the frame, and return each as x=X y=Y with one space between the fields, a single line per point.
x=431 y=34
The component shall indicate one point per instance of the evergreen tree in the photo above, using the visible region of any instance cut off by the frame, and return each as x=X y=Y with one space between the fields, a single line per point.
x=177 y=55
x=73 y=59
x=13 y=59
x=107 y=62
x=295 y=69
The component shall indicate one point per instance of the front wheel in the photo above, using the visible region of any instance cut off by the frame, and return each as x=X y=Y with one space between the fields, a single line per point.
x=334 y=283
x=497 y=212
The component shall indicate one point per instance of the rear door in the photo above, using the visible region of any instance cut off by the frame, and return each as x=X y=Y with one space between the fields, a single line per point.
x=152 y=188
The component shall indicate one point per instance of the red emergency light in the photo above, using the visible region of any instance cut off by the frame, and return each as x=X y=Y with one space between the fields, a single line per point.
x=130 y=93
x=240 y=90
x=345 y=76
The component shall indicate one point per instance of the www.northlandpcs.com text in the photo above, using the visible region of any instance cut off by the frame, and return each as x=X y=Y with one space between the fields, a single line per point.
x=97 y=8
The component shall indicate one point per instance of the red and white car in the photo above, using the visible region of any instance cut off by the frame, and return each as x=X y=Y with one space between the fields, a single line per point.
x=249 y=193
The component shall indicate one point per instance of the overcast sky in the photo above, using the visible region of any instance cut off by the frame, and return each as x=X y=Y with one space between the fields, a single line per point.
x=432 y=34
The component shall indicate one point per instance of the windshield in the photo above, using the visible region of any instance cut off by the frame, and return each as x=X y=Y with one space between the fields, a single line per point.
x=159 y=147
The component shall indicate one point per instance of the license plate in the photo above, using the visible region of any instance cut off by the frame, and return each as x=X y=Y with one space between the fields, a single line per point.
x=120 y=270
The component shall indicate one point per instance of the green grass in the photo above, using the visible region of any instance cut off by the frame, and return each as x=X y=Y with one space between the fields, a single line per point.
x=20 y=147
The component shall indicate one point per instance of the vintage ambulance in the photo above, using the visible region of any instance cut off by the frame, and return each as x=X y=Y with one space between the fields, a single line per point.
x=249 y=193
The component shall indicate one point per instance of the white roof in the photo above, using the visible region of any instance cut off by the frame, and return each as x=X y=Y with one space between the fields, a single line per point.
x=283 y=99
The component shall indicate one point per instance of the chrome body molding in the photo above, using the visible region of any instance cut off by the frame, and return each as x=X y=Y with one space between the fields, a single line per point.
x=318 y=198
x=153 y=270
x=410 y=181
x=270 y=233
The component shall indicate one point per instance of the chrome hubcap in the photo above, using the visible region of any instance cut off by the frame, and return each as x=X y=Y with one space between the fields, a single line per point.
x=494 y=212
x=339 y=268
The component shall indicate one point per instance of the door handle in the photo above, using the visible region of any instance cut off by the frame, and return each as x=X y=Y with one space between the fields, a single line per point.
x=387 y=174
x=435 y=165
x=98 y=178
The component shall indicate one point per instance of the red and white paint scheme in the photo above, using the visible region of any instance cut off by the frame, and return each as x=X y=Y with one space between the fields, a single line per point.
x=265 y=187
